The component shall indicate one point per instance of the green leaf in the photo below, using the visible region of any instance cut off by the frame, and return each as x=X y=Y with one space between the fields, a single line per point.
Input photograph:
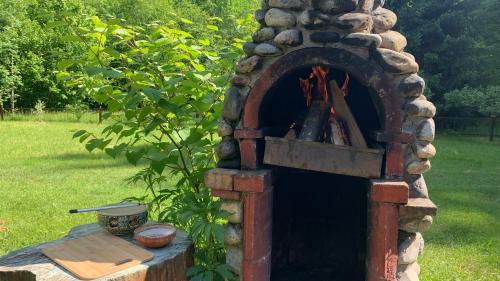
x=158 y=166
x=79 y=133
x=186 y=21
x=93 y=144
x=152 y=125
x=204 y=42
x=84 y=137
x=64 y=64
x=212 y=27
x=94 y=70
x=133 y=156
x=194 y=270
x=197 y=66
x=218 y=232
x=224 y=271
x=112 y=73
x=116 y=150
x=153 y=94
x=168 y=106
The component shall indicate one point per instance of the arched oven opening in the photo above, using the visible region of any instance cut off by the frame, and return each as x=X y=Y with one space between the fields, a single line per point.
x=319 y=218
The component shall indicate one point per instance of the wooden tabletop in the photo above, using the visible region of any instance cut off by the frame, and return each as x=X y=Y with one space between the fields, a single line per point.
x=29 y=264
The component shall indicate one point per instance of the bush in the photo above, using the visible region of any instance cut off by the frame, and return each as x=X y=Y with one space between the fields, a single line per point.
x=163 y=88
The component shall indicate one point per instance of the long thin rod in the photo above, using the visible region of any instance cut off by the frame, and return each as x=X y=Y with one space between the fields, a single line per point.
x=84 y=210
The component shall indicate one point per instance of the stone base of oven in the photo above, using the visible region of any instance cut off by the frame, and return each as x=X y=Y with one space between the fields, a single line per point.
x=395 y=224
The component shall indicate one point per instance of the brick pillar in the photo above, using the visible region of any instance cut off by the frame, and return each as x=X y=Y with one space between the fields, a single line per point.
x=385 y=198
x=257 y=235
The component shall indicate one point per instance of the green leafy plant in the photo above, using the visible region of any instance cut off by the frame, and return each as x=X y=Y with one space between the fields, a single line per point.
x=162 y=85
x=39 y=109
x=78 y=109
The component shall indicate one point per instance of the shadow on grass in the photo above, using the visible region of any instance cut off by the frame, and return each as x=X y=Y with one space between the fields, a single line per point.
x=85 y=160
x=84 y=156
x=474 y=223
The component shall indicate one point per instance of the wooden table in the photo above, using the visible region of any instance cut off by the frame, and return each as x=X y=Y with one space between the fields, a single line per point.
x=169 y=264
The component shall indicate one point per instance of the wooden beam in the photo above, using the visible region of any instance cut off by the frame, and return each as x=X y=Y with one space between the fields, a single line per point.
x=418 y=207
x=389 y=191
x=343 y=112
x=322 y=157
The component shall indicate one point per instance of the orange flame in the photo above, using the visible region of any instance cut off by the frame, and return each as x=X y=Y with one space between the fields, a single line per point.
x=345 y=86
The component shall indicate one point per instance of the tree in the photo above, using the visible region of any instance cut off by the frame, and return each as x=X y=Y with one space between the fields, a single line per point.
x=470 y=101
x=10 y=80
x=454 y=41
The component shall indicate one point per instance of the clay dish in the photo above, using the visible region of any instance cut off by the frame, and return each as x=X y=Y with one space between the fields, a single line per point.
x=155 y=235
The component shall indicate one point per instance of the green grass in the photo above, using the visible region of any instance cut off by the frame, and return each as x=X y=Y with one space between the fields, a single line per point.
x=464 y=241
x=44 y=173
x=55 y=116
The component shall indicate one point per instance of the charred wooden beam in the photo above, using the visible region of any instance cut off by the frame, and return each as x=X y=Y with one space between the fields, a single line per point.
x=314 y=124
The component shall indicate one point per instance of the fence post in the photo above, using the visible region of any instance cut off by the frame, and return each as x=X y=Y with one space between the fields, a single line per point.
x=1 y=110
x=492 y=129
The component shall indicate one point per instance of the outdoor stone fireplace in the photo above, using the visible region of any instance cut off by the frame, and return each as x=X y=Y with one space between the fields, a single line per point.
x=325 y=137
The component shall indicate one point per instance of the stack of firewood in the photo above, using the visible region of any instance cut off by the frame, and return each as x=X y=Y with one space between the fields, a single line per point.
x=328 y=118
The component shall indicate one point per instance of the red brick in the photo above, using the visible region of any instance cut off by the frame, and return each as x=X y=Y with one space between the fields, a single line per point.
x=257 y=224
x=382 y=242
x=228 y=195
x=252 y=181
x=389 y=191
x=248 y=152
x=221 y=179
x=394 y=167
x=257 y=270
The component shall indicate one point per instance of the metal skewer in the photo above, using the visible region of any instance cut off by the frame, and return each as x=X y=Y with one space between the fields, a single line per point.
x=84 y=210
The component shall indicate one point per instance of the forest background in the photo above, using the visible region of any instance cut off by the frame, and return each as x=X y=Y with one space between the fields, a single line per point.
x=455 y=42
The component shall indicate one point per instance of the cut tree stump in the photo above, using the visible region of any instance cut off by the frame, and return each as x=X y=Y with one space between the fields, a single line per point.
x=169 y=263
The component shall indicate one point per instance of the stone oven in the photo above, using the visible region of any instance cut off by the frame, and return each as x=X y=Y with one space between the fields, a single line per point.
x=325 y=137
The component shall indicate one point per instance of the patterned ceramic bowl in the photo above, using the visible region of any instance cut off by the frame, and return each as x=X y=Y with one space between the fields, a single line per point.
x=123 y=221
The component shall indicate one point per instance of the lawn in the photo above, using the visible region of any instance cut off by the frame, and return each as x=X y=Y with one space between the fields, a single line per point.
x=464 y=242
x=43 y=173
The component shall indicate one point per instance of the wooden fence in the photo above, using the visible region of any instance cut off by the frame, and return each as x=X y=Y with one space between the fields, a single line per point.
x=53 y=115
x=470 y=126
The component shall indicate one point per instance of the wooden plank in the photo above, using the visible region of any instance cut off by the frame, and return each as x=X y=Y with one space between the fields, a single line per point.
x=382 y=242
x=418 y=207
x=389 y=191
x=97 y=255
x=323 y=157
x=343 y=112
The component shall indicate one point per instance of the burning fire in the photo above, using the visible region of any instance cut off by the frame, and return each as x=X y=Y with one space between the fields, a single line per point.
x=316 y=87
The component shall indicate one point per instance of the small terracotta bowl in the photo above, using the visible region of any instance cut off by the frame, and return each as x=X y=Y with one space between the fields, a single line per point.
x=155 y=235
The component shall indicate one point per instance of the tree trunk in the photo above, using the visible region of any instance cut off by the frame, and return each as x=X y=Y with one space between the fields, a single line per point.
x=12 y=93
x=1 y=110
x=492 y=128
x=100 y=114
